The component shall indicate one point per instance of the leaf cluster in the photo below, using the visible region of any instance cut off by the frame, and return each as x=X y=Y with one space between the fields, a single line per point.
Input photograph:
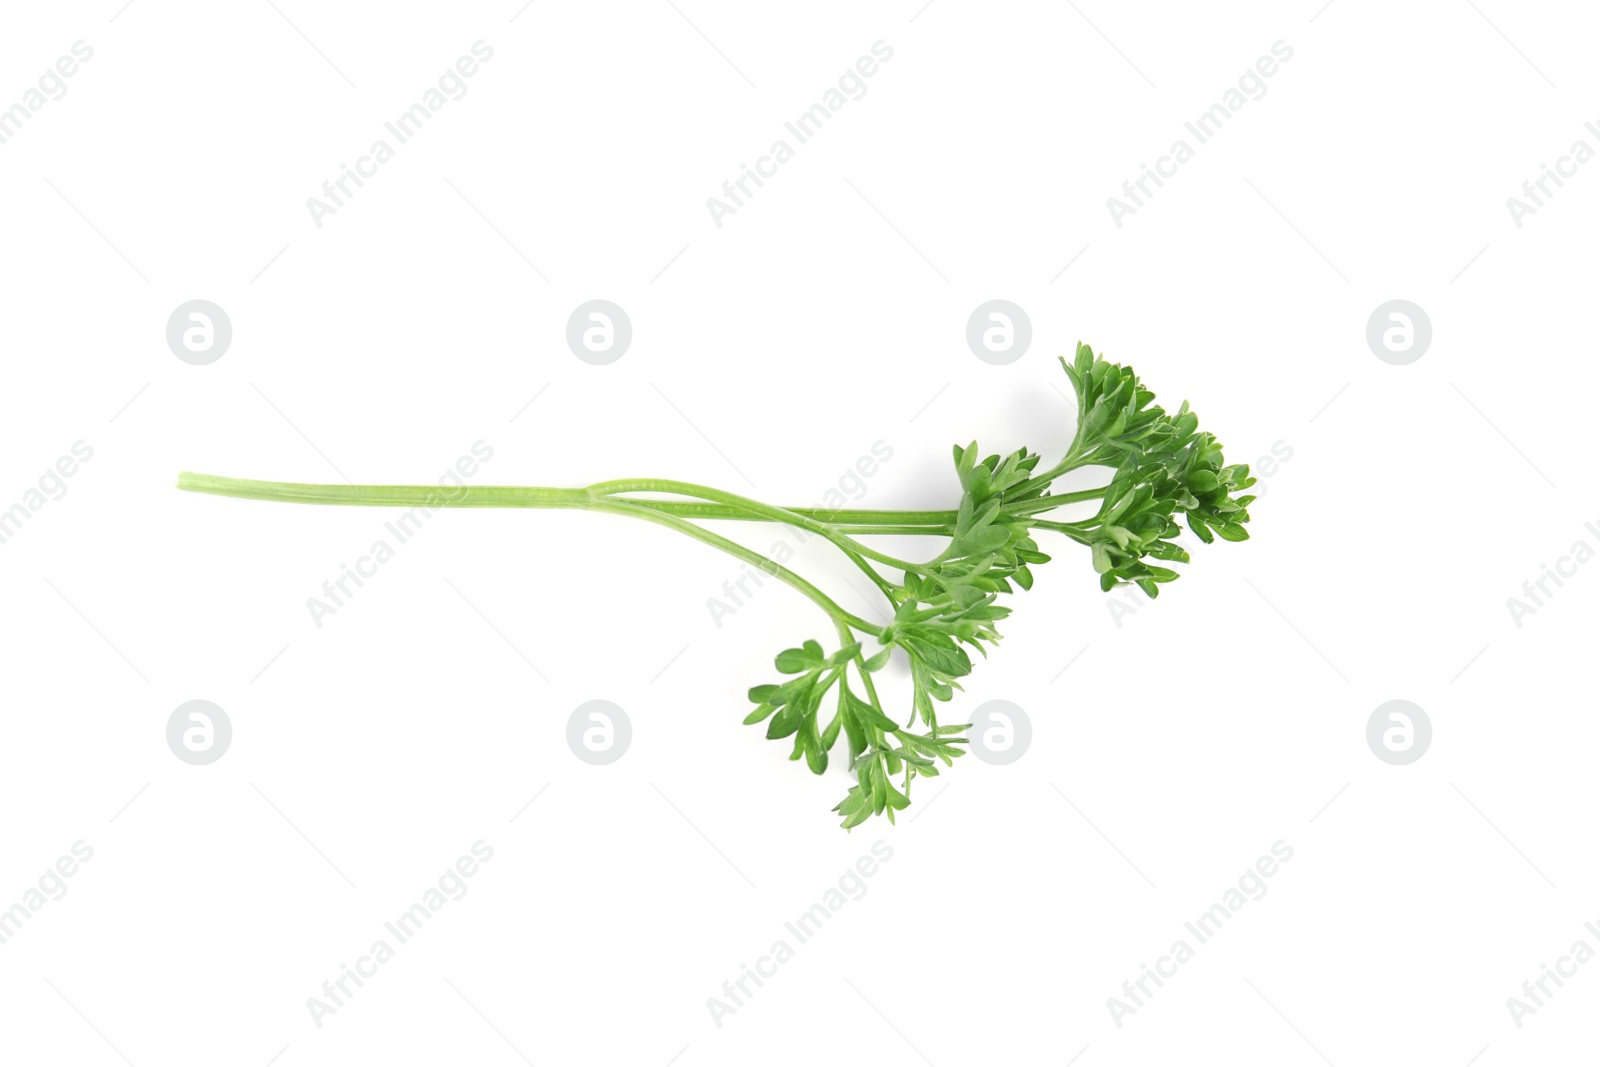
x=1165 y=468
x=879 y=748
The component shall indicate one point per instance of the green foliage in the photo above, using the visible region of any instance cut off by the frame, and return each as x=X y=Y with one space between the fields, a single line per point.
x=1165 y=468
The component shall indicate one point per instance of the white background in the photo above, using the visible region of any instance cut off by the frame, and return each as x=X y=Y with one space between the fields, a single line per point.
x=826 y=315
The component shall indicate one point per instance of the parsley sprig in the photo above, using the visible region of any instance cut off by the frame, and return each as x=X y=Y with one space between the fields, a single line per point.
x=941 y=610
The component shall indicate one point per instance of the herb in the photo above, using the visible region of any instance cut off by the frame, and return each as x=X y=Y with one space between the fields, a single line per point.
x=944 y=608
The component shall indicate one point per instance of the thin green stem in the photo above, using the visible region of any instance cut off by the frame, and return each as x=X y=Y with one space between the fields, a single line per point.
x=903 y=531
x=840 y=520
x=872 y=690
x=430 y=496
x=1071 y=530
x=434 y=496
x=875 y=732
x=738 y=551
x=866 y=568
x=755 y=507
x=838 y=517
x=1055 y=500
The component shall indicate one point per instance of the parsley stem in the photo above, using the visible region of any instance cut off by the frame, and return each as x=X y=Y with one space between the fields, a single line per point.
x=428 y=496
x=432 y=496
x=750 y=556
x=866 y=568
x=753 y=507
x=841 y=520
